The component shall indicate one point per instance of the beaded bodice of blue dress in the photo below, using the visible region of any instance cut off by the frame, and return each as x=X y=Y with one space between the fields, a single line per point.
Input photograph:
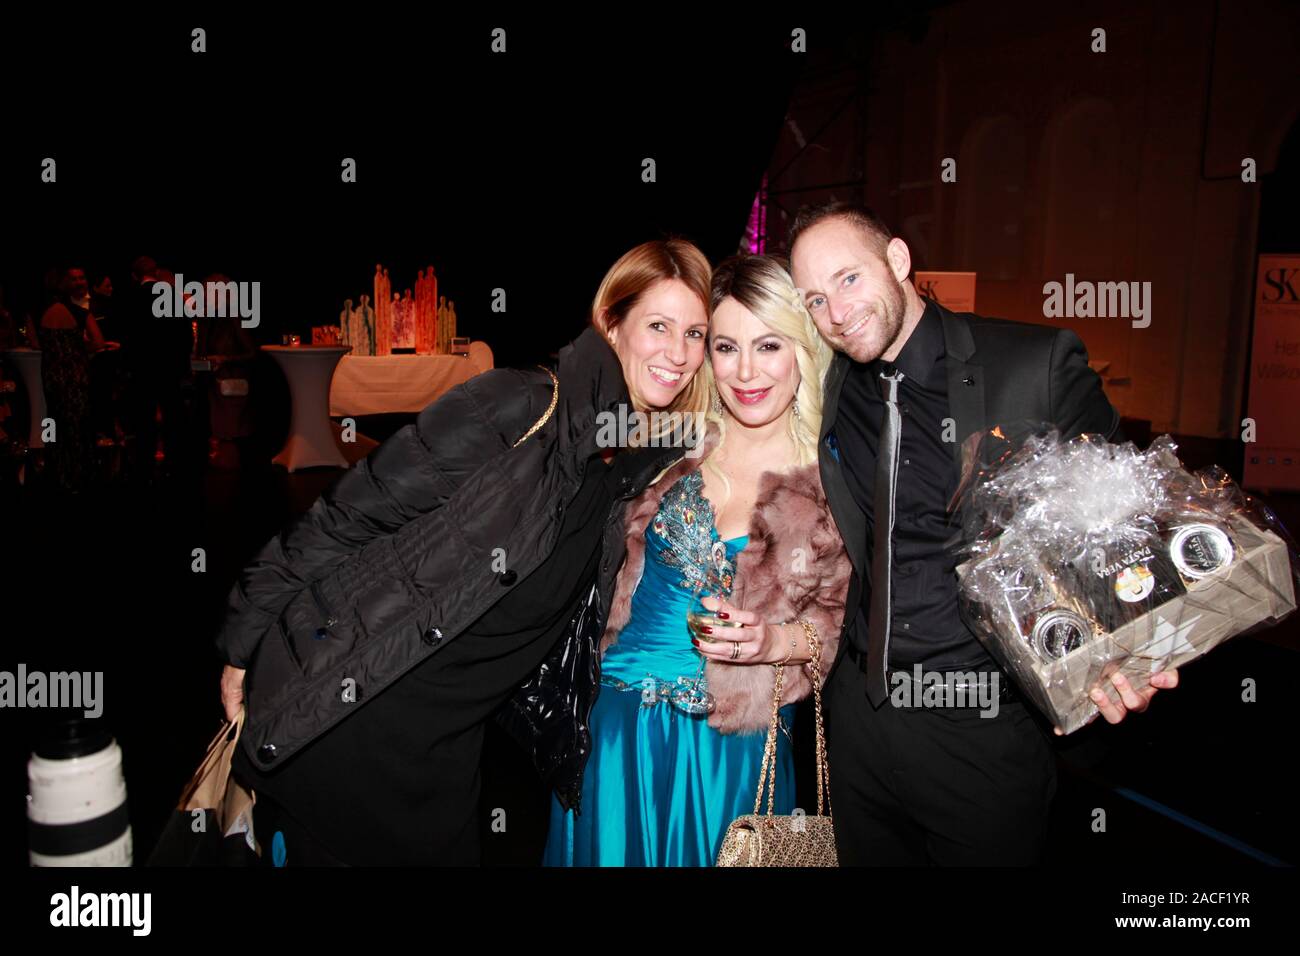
x=684 y=556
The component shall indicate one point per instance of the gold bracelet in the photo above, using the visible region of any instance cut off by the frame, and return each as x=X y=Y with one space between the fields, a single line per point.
x=793 y=643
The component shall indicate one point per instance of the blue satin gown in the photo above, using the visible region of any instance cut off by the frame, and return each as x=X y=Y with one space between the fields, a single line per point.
x=661 y=786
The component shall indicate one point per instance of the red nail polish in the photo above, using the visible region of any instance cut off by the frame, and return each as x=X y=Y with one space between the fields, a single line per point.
x=707 y=630
x=695 y=641
x=724 y=615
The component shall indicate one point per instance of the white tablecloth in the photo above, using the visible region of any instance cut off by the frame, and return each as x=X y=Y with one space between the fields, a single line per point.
x=312 y=442
x=380 y=384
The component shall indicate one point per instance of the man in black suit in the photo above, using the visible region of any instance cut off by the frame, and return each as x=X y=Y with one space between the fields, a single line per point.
x=921 y=784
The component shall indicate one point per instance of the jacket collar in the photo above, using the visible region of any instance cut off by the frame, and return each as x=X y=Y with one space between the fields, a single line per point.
x=647 y=464
x=965 y=379
x=592 y=384
x=924 y=350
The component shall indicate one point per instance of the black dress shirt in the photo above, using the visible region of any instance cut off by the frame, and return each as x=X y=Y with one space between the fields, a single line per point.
x=927 y=628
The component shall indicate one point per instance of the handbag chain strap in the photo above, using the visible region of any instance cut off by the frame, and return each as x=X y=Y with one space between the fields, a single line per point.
x=823 y=761
x=769 y=751
x=555 y=398
x=767 y=772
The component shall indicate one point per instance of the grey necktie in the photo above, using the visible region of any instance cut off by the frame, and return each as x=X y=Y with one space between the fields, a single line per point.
x=882 y=552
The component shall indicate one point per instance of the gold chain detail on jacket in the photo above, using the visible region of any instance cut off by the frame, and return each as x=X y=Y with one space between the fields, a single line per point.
x=555 y=398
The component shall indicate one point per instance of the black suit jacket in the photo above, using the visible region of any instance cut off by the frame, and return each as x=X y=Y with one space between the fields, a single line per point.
x=998 y=372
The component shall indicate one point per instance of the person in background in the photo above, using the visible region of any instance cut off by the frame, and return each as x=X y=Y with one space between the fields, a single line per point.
x=232 y=351
x=16 y=331
x=105 y=369
x=68 y=333
x=101 y=303
x=156 y=357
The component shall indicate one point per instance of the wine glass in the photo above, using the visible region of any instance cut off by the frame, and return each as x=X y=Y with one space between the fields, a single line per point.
x=699 y=617
x=691 y=696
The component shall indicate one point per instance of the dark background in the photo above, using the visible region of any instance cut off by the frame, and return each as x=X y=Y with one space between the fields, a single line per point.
x=522 y=172
x=519 y=171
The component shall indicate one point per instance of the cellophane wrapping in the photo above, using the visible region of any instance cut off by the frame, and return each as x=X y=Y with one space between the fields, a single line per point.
x=1083 y=558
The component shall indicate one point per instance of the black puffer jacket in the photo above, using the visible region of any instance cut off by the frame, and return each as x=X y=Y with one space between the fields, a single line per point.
x=396 y=559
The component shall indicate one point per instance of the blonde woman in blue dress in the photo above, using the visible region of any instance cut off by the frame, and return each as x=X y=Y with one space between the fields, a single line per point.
x=679 y=727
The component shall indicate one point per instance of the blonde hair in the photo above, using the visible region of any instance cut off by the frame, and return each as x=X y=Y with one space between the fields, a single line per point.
x=628 y=279
x=763 y=286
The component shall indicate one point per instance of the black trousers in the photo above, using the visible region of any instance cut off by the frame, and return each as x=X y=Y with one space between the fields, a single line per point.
x=284 y=840
x=149 y=392
x=935 y=786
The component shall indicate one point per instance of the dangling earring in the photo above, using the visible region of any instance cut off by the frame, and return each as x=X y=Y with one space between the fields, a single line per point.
x=794 y=407
x=715 y=403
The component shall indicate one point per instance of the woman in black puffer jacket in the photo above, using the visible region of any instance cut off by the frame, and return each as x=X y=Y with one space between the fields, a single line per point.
x=462 y=570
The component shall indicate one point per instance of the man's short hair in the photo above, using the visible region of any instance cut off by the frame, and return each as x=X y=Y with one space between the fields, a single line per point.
x=873 y=228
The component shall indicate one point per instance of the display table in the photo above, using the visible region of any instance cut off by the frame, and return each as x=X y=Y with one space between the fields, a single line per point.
x=308 y=369
x=383 y=384
x=27 y=364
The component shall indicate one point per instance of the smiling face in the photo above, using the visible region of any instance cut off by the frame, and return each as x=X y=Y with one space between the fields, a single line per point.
x=73 y=284
x=755 y=368
x=855 y=296
x=660 y=343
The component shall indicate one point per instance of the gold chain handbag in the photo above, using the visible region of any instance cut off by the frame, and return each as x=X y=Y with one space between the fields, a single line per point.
x=760 y=839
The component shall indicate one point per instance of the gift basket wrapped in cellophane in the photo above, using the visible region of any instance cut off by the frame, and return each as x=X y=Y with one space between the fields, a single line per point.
x=1081 y=558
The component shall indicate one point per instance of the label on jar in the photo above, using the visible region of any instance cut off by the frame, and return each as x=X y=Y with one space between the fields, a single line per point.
x=1200 y=549
x=1140 y=580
